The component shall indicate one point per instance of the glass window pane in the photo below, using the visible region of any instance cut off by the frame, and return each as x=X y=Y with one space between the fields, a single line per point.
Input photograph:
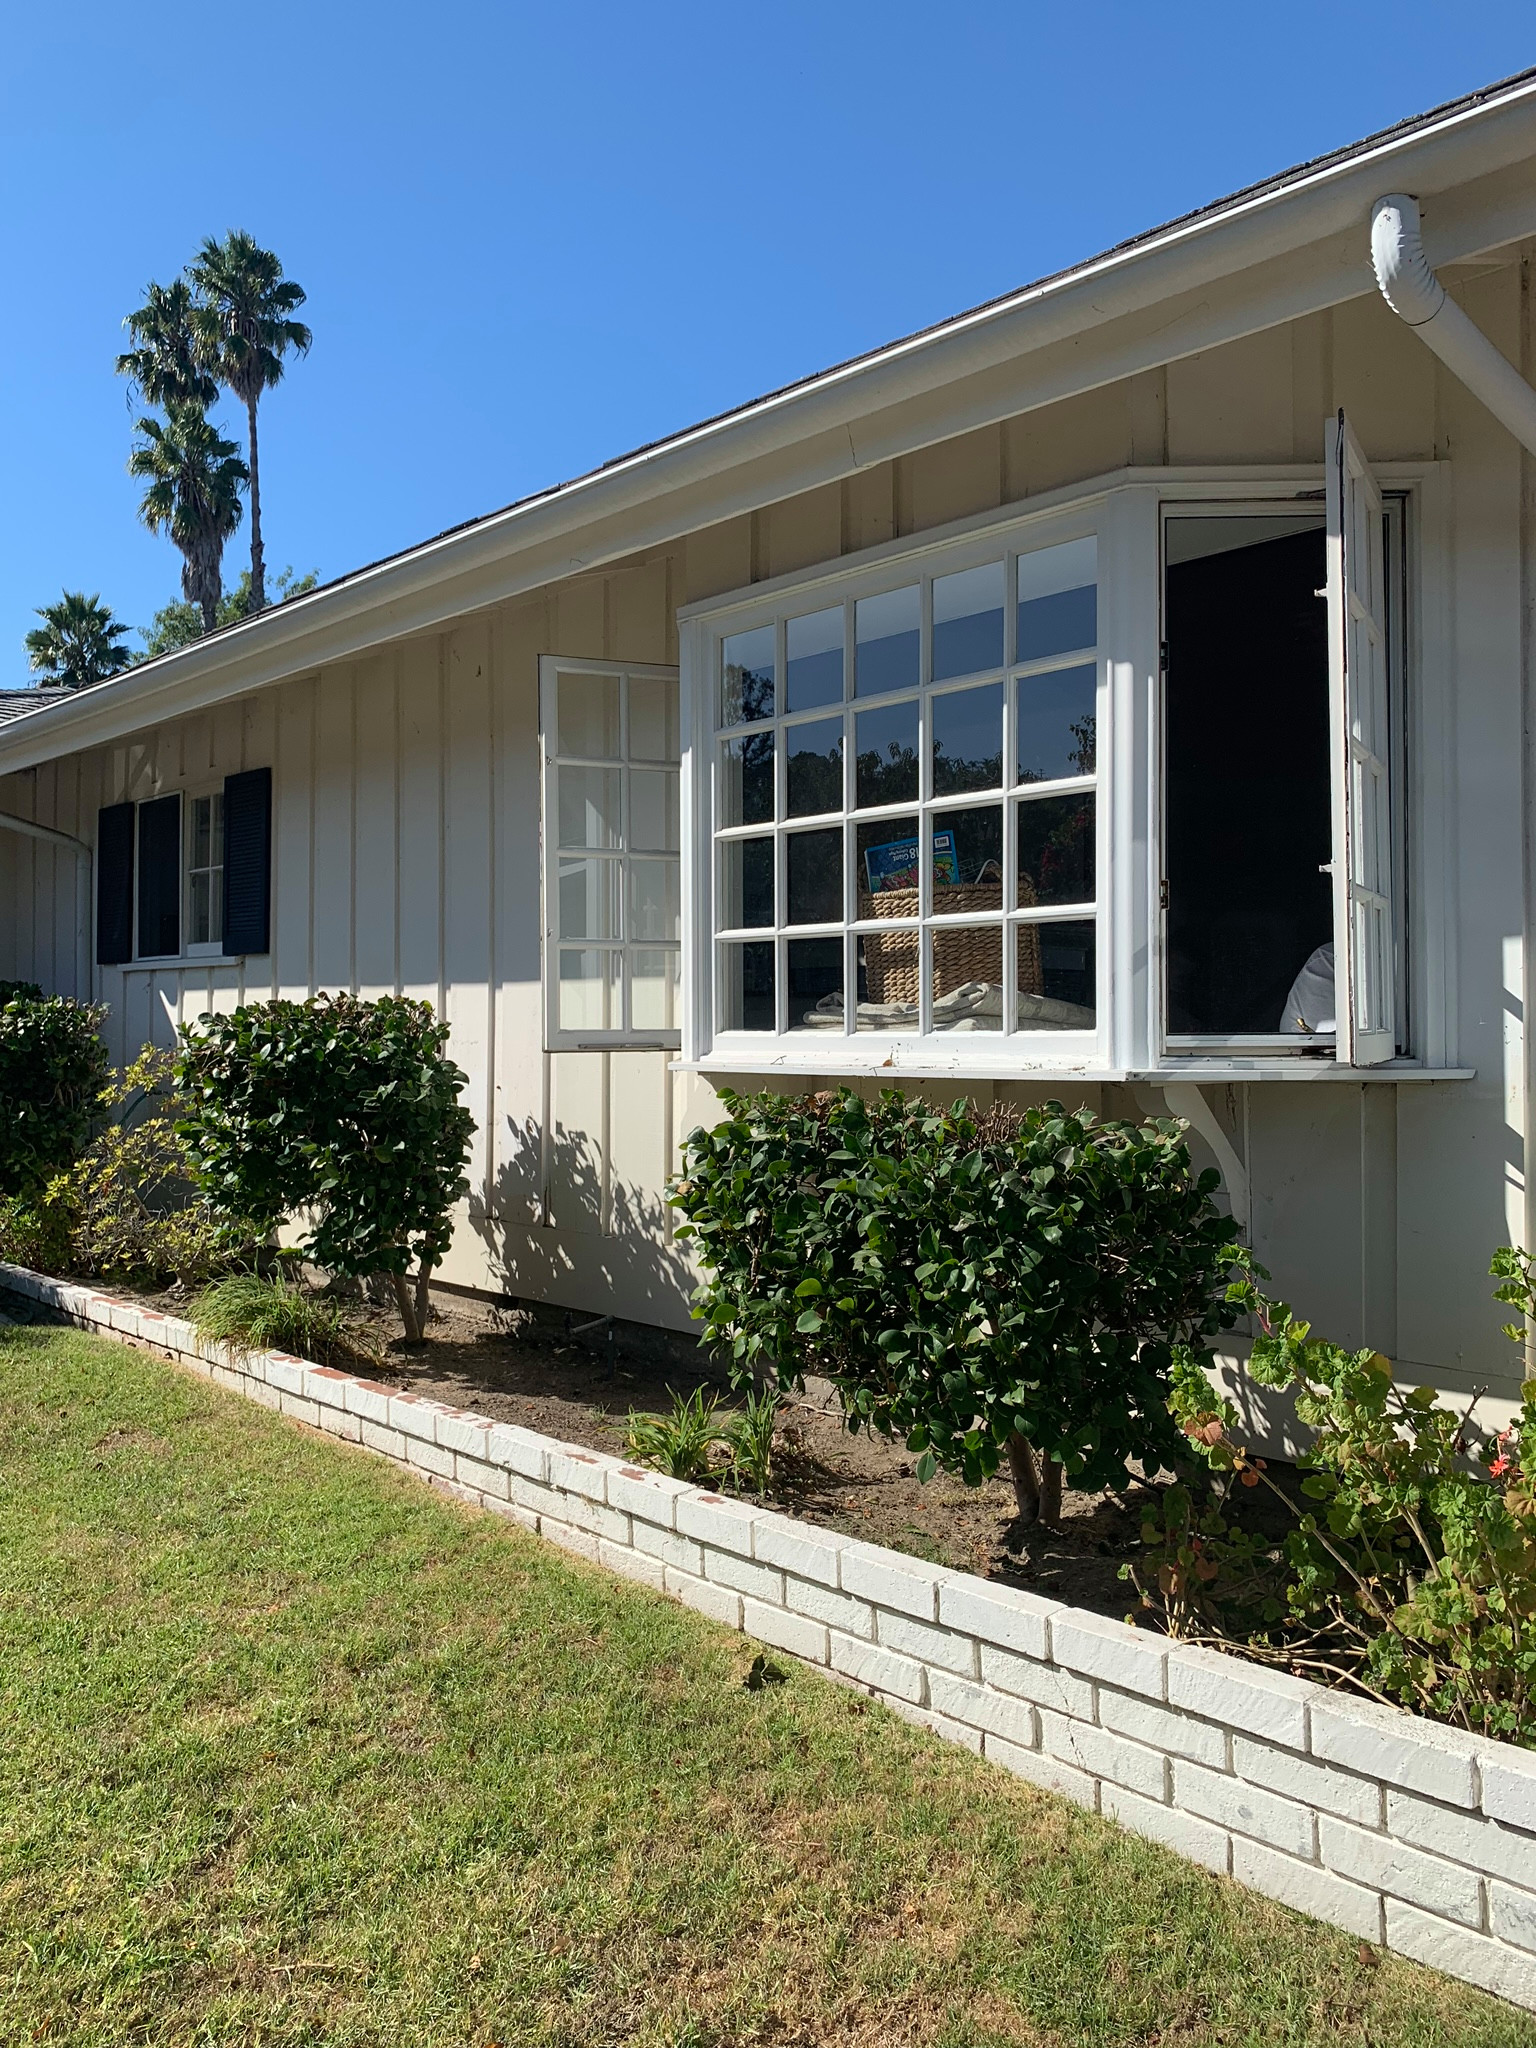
x=813 y=660
x=216 y=829
x=746 y=780
x=1055 y=721
x=967 y=967
x=653 y=980
x=588 y=893
x=589 y=806
x=654 y=810
x=968 y=621
x=1058 y=600
x=815 y=971
x=967 y=739
x=813 y=767
x=1057 y=976
x=200 y=930
x=746 y=676
x=968 y=859
x=590 y=989
x=888 y=642
x=202 y=832
x=746 y=985
x=815 y=862
x=887 y=858
x=1056 y=850
x=655 y=908
x=885 y=764
x=653 y=734
x=588 y=719
x=746 y=884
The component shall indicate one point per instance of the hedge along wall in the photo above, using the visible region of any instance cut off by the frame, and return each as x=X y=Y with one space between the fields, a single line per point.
x=1399 y=1830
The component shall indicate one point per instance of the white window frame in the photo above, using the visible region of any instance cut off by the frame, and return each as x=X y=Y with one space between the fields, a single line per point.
x=1130 y=1043
x=202 y=949
x=558 y=1038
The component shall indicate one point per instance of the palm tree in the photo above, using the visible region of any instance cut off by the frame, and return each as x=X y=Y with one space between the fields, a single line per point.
x=163 y=366
x=194 y=479
x=243 y=328
x=77 y=642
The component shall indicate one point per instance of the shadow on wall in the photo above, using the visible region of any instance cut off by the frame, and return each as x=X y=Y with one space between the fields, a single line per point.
x=562 y=1226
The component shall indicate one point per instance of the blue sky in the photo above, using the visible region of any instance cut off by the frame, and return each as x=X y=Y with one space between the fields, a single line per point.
x=533 y=237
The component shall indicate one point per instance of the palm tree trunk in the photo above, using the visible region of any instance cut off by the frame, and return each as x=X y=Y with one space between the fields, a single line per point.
x=257 y=601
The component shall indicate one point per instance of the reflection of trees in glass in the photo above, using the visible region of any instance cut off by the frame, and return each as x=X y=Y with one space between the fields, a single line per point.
x=1084 y=753
x=815 y=782
x=890 y=778
x=953 y=776
x=748 y=693
x=752 y=764
x=1056 y=849
x=978 y=848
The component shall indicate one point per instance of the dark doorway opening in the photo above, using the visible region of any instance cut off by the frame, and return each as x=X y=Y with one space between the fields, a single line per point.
x=1248 y=820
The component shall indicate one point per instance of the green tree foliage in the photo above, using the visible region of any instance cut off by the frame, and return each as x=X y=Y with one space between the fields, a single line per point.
x=1409 y=1565
x=243 y=326
x=1011 y=1287
x=53 y=1066
x=162 y=367
x=178 y=624
x=78 y=642
x=193 y=477
x=345 y=1110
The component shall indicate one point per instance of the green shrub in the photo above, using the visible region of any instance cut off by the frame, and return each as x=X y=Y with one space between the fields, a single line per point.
x=53 y=1066
x=678 y=1444
x=1409 y=1565
x=37 y=1231
x=1011 y=1286
x=20 y=992
x=341 y=1110
x=257 y=1314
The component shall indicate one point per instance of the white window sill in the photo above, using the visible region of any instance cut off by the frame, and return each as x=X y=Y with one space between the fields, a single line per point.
x=173 y=962
x=931 y=1065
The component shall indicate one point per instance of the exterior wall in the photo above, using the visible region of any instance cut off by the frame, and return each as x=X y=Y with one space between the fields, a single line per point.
x=406 y=854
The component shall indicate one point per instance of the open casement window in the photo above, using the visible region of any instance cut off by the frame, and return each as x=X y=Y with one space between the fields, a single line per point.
x=1365 y=972
x=612 y=866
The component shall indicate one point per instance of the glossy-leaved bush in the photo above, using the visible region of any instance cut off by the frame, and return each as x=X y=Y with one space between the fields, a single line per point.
x=1009 y=1288
x=53 y=1066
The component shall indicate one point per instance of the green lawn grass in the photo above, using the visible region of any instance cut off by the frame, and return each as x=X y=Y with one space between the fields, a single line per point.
x=295 y=1752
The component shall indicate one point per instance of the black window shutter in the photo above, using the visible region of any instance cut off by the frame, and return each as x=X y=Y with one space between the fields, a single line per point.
x=248 y=861
x=160 y=878
x=114 y=884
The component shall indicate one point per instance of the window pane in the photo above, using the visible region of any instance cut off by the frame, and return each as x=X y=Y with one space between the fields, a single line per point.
x=746 y=780
x=968 y=859
x=216 y=829
x=813 y=660
x=589 y=899
x=1056 y=850
x=887 y=857
x=654 y=809
x=653 y=974
x=655 y=909
x=652 y=718
x=589 y=990
x=968 y=621
x=202 y=832
x=813 y=767
x=746 y=676
x=967 y=739
x=888 y=637
x=200 y=910
x=1058 y=600
x=746 y=986
x=815 y=970
x=967 y=967
x=1057 y=985
x=589 y=806
x=588 y=721
x=885 y=765
x=815 y=877
x=746 y=884
x=1055 y=723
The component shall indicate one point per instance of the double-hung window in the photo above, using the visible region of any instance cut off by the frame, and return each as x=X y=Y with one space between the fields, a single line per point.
x=902 y=795
x=612 y=883
x=204 y=824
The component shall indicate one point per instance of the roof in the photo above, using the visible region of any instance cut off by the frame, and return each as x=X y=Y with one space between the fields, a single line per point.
x=837 y=420
x=20 y=703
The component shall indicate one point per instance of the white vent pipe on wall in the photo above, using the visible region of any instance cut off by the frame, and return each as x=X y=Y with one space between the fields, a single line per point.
x=1416 y=295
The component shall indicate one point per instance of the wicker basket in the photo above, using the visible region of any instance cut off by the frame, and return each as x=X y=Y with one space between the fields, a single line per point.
x=961 y=953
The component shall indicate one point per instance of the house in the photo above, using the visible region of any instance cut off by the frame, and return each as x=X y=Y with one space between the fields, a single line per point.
x=1121 y=692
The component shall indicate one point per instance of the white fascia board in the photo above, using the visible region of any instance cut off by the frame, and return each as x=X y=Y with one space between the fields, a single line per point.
x=1275 y=256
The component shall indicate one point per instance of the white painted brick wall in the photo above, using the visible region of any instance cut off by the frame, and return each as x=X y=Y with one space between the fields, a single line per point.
x=1368 y=1818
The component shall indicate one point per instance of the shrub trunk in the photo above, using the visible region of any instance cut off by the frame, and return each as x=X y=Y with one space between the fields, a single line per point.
x=1036 y=1486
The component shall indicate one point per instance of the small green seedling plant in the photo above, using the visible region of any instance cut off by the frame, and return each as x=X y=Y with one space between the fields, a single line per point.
x=748 y=1439
x=680 y=1443
x=1408 y=1564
